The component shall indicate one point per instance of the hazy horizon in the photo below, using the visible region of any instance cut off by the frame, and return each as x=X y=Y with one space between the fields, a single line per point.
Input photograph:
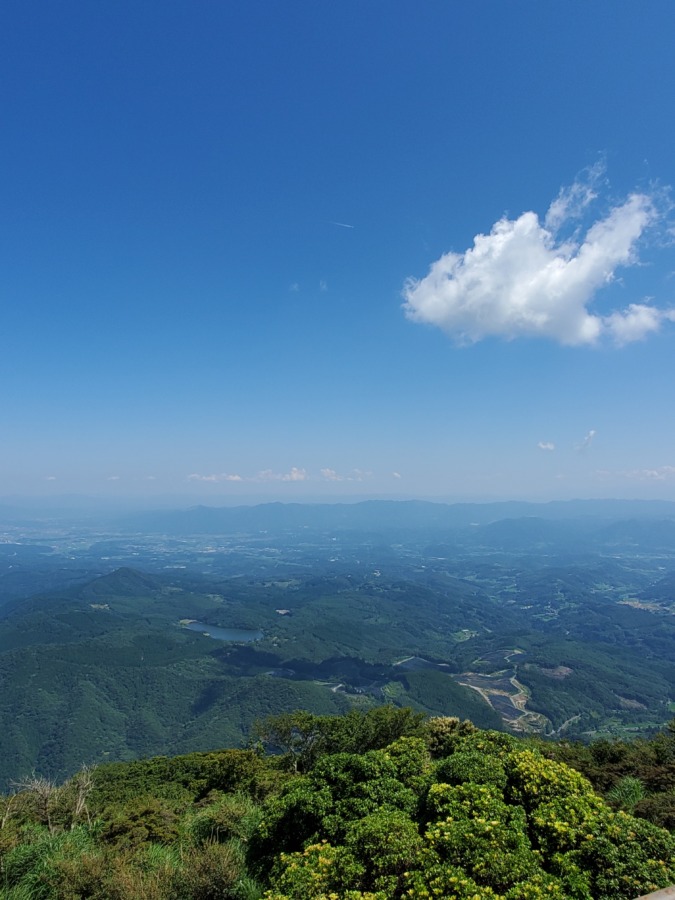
x=76 y=504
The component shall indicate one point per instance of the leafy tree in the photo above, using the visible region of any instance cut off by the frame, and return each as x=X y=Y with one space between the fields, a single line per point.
x=319 y=872
x=445 y=882
x=469 y=765
x=300 y=736
x=658 y=809
x=288 y=822
x=386 y=844
x=443 y=732
x=146 y=820
x=625 y=857
x=477 y=830
x=412 y=762
x=303 y=737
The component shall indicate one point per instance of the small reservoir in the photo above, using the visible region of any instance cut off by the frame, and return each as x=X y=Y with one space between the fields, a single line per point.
x=223 y=634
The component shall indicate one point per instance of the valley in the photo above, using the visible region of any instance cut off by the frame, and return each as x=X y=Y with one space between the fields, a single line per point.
x=117 y=643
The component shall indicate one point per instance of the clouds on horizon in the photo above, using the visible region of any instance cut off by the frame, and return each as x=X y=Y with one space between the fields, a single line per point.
x=353 y=475
x=525 y=279
x=660 y=473
x=214 y=479
x=295 y=474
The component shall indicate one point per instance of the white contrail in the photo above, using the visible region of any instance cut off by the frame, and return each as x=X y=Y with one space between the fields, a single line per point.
x=586 y=443
x=341 y=224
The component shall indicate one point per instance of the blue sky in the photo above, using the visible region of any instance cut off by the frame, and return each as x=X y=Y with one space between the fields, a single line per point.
x=305 y=250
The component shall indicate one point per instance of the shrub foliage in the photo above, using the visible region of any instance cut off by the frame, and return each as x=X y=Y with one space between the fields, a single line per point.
x=379 y=806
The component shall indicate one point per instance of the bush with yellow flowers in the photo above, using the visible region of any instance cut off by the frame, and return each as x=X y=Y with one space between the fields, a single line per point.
x=493 y=820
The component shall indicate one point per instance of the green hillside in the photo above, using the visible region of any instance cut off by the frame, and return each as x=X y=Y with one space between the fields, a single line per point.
x=107 y=670
x=378 y=806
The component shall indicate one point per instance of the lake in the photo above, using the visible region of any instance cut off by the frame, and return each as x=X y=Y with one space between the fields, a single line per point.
x=224 y=634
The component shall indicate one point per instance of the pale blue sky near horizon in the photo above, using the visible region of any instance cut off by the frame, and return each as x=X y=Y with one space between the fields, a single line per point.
x=218 y=223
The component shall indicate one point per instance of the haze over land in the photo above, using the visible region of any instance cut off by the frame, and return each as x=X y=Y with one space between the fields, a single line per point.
x=140 y=633
x=335 y=251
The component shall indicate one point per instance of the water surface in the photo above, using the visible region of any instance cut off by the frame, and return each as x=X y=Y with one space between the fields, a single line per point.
x=224 y=634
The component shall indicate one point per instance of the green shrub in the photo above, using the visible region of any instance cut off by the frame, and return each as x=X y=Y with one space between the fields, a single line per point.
x=469 y=765
x=231 y=816
x=146 y=820
x=211 y=872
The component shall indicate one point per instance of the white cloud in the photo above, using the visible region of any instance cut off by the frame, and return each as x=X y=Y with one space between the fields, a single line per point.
x=635 y=323
x=358 y=475
x=572 y=201
x=661 y=473
x=353 y=475
x=113 y=478
x=294 y=288
x=523 y=280
x=214 y=479
x=546 y=445
x=294 y=475
x=323 y=286
x=50 y=478
x=396 y=475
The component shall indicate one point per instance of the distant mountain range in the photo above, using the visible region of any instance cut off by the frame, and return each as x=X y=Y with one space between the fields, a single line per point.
x=386 y=515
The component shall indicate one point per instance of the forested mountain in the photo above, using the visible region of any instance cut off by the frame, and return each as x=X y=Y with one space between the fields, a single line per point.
x=118 y=644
